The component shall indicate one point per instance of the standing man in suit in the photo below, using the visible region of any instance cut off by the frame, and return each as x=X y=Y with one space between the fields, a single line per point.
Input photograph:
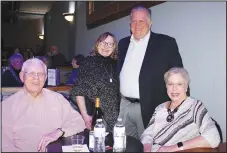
x=144 y=57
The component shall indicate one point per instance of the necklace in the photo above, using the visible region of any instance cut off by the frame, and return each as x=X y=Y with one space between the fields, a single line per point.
x=109 y=74
x=170 y=117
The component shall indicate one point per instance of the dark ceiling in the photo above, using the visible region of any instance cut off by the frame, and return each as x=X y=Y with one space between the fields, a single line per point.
x=12 y=11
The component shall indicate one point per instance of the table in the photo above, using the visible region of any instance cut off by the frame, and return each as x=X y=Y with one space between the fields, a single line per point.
x=60 y=88
x=132 y=144
x=220 y=148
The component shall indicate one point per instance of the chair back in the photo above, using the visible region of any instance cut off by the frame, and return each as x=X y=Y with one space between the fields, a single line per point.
x=219 y=129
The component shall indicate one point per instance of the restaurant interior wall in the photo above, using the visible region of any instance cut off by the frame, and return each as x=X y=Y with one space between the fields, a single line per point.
x=22 y=34
x=58 y=31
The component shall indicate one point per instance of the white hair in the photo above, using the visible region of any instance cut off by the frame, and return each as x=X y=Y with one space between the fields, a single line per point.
x=141 y=8
x=33 y=61
x=177 y=70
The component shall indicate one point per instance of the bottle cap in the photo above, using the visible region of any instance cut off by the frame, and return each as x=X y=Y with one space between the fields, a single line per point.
x=99 y=120
x=119 y=119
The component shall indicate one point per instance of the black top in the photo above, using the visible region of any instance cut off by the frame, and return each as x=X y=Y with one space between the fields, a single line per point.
x=94 y=79
x=10 y=78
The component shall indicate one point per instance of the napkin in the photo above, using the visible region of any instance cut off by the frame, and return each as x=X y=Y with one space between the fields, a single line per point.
x=70 y=148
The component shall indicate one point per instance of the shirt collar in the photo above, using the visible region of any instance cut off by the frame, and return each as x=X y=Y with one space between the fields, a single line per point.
x=146 y=38
x=28 y=94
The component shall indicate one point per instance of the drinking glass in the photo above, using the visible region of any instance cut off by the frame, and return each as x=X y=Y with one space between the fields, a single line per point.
x=77 y=143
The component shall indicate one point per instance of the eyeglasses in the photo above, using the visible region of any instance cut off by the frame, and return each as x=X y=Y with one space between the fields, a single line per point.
x=139 y=23
x=110 y=45
x=33 y=74
x=179 y=85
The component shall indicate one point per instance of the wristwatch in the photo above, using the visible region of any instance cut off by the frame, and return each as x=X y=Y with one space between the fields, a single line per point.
x=180 y=145
x=63 y=132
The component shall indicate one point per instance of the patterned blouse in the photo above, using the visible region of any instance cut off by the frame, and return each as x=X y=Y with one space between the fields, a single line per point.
x=98 y=77
x=191 y=120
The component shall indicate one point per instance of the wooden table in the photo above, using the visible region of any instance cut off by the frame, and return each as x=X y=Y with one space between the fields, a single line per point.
x=60 y=88
x=220 y=148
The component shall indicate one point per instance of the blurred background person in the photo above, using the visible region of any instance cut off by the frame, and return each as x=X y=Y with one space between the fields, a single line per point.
x=17 y=50
x=10 y=78
x=57 y=58
x=46 y=60
x=76 y=62
x=97 y=76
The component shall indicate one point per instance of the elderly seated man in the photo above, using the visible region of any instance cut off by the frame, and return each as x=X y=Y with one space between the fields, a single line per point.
x=35 y=116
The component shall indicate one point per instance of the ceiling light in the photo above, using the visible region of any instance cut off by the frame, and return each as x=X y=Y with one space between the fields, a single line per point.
x=68 y=16
x=41 y=36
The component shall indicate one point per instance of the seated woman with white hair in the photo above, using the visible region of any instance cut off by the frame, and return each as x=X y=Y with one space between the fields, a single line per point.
x=181 y=123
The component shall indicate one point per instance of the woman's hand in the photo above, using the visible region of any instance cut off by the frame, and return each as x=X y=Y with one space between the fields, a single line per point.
x=147 y=147
x=87 y=119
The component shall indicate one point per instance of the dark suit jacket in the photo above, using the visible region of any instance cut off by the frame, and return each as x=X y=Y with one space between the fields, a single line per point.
x=161 y=55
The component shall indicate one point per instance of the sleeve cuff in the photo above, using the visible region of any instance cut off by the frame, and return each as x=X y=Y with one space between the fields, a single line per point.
x=214 y=140
x=155 y=147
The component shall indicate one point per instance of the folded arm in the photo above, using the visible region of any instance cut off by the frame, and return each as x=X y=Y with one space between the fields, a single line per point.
x=147 y=138
x=209 y=136
x=72 y=121
x=209 y=132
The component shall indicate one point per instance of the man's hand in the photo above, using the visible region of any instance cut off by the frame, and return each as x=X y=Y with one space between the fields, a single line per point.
x=48 y=138
x=87 y=119
x=147 y=147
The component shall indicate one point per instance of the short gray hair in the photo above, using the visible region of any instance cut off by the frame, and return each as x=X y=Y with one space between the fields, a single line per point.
x=177 y=70
x=141 y=8
x=32 y=61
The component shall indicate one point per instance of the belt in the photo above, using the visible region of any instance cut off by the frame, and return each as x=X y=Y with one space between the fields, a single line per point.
x=132 y=100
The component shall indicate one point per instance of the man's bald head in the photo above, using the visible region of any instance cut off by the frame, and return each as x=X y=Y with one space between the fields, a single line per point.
x=33 y=61
x=54 y=50
x=33 y=75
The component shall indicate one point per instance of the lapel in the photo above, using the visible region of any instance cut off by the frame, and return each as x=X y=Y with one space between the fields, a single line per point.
x=148 y=59
x=123 y=52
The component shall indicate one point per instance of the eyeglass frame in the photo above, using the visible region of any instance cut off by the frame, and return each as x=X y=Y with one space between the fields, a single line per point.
x=110 y=45
x=178 y=85
x=33 y=74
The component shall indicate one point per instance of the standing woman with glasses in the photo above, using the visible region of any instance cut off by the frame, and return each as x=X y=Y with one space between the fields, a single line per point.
x=10 y=78
x=98 y=77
